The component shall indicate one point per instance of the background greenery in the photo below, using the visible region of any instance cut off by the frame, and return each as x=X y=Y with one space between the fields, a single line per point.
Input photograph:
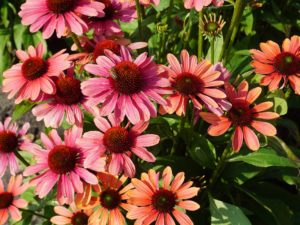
x=260 y=188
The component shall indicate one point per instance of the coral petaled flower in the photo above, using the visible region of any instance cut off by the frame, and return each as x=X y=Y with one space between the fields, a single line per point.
x=199 y=4
x=192 y=81
x=125 y=86
x=75 y=216
x=59 y=15
x=9 y=201
x=278 y=65
x=62 y=163
x=110 y=195
x=12 y=140
x=243 y=117
x=153 y=200
x=32 y=78
x=114 y=10
x=66 y=101
x=119 y=143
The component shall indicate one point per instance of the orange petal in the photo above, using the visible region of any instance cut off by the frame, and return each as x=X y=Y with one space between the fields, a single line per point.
x=219 y=129
x=250 y=139
x=264 y=128
x=237 y=139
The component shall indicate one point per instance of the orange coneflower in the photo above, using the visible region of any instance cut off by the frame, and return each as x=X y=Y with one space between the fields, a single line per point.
x=153 y=200
x=277 y=65
x=242 y=116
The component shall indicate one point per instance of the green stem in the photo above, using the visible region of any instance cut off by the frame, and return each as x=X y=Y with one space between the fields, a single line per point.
x=21 y=158
x=235 y=21
x=241 y=6
x=175 y=148
x=77 y=42
x=220 y=166
x=212 y=49
x=200 y=36
x=34 y=213
x=143 y=12
x=138 y=9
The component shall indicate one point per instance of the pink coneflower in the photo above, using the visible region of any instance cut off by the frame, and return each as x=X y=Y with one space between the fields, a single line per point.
x=277 y=65
x=199 y=4
x=62 y=163
x=75 y=216
x=31 y=78
x=192 y=81
x=114 y=10
x=9 y=201
x=153 y=200
x=110 y=196
x=125 y=85
x=59 y=15
x=119 y=143
x=12 y=140
x=66 y=101
x=242 y=116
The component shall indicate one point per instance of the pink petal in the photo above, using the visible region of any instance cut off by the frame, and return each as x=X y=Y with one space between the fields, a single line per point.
x=143 y=154
x=147 y=140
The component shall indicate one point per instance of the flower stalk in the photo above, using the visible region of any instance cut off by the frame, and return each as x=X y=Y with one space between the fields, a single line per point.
x=212 y=50
x=220 y=166
x=140 y=19
x=20 y=157
x=200 y=36
x=233 y=27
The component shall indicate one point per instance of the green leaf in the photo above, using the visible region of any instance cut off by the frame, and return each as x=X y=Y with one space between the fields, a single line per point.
x=19 y=30
x=264 y=159
x=218 y=48
x=226 y=214
x=21 y=109
x=203 y=152
x=280 y=106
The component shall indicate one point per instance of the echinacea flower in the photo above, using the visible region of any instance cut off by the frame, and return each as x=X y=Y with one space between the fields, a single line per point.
x=59 y=15
x=193 y=81
x=199 y=4
x=119 y=143
x=110 y=195
x=66 y=101
x=114 y=10
x=62 y=163
x=73 y=216
x=32 y=78
x=156 y=200
x=243 y=117
x=276 y=65
x=125 y=86
x=9 y=201
x=211 y=26
x=12 y=140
